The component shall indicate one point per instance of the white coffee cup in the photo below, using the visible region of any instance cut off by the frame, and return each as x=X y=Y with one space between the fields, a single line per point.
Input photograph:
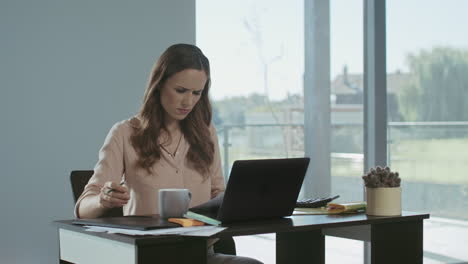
x=174 y=203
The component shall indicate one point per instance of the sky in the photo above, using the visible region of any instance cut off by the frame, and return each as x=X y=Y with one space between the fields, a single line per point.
x=257 y=46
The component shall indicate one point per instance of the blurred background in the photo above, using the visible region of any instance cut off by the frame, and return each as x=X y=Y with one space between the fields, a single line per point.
x=258 y=92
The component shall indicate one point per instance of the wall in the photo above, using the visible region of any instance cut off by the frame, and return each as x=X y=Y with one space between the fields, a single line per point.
x=68 y=71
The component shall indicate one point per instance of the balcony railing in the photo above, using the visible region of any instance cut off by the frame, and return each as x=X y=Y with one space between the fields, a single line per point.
x=432 y=157
x=291 y=140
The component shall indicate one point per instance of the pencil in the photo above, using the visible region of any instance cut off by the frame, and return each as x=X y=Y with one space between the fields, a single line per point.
x=113 y=190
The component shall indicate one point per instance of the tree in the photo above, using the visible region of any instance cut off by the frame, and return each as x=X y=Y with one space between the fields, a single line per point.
x=438 y=86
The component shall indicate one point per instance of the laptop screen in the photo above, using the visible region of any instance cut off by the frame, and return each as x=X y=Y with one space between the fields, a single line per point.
x=262 y=189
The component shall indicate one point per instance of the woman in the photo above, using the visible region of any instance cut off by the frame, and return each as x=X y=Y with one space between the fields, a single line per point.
x=171 y=143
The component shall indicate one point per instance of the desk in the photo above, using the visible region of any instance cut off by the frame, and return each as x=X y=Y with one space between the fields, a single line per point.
x=299 y=239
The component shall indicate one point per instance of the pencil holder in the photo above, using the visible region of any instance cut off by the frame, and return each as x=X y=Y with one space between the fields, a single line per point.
x=383 y=201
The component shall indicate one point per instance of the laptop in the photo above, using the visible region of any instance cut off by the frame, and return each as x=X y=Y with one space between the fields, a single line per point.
x=256 y=190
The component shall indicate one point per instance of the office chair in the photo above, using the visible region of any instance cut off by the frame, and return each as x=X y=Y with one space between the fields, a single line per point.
x=79 y=179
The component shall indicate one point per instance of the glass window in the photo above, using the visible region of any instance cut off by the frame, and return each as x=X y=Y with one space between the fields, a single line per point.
x=256 y=75
x=256 y=50
x=347 y=117
x=427 y=86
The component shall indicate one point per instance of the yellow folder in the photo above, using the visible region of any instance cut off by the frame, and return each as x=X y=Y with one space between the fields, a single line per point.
x=186 y=222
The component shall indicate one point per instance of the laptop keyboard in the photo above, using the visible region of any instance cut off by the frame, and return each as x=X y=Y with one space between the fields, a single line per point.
x=315 y=202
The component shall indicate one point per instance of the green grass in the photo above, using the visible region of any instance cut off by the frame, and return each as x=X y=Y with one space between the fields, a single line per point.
x=431 y=160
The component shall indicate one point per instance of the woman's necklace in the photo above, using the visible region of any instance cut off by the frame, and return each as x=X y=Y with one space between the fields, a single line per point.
x=175 y=151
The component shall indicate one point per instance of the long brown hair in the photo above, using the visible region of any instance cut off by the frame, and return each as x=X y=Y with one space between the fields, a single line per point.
x=195 y=126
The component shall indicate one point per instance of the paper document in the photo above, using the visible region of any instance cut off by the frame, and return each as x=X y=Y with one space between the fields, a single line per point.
x=201 y=231
x=310 y=211
x=333 y=208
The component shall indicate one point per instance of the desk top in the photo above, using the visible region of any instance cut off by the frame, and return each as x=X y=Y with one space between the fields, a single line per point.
x=288 y=224
x=312 y=222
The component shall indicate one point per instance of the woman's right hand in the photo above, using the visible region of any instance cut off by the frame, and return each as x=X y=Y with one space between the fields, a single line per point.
x=113 y=195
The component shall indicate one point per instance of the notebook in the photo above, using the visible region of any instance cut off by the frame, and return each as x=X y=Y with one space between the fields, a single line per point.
x=129 y=222
x=256 y=190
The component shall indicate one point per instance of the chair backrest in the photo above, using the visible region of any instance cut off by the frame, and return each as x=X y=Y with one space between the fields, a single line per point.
x=78 y=180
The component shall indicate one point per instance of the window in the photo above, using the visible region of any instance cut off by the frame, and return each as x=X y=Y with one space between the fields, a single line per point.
x=347 y=117
x=256 y=76
x=257 y=85
x=427 y=91
x=257 y=55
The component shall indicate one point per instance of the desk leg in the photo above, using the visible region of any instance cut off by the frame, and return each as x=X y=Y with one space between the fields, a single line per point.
x=400 y=242
x=193 y=251
x=300 y=247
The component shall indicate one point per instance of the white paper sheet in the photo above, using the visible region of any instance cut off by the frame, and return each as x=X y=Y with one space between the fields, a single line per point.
x=202 y=231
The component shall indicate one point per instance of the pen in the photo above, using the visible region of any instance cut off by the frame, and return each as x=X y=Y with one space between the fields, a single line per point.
x=113 y=190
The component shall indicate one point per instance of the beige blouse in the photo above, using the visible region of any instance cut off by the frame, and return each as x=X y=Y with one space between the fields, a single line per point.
x=117 y=160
